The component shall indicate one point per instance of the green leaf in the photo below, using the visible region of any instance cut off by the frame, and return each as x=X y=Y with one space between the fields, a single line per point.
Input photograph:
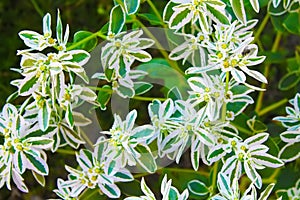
x=69 y=116
x=290 y=152
x=27 y=85
x=159 y=69
x=89 y=44
x=256 y=126
x=292 y=23
x=131 y=6
x=198 y=188
x=117 y=19
x=38 y=164
x=151 y=18
x=104 y=96
x=174 y=94
x=44 y=116
x=217 y=15
x=39 y=178
x=131 y=188
x=266 y=193
x=268 y=160
x=59 y=28
x=111 y=191
x=125 y=92
x=142 y=87
x=179 y=19
x=289 y=80
x=239 y=10
x=146 y=160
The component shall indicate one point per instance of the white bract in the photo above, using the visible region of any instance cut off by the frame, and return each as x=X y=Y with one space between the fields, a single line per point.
x=21 y=149
x=231 y=51
x=128 y=144
x=292 y=135
x=126 y=48
x=248 y=155
x=193 y=11
x=230 y=190
x=95 y=172
x=168 y=191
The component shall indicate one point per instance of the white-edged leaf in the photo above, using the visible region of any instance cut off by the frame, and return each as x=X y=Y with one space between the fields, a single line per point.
x=239 y=10
x=116 y=20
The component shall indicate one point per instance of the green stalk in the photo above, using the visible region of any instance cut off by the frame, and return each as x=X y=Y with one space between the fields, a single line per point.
x=182 y=170
x=261 y=27
x=64 y=151
x=37 y=8
x=156 y=12
x=214 y=179
x=272 y=107
x=224 y=107
x=260 y=97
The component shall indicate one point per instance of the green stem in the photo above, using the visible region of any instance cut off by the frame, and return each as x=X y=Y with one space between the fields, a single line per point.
x=224 y=107
x=65 y=151
x=259 y=100
x=160 y=47
x=156 y=12
x=244 y=130
x=261 y=27
x=141 y=175
x=87 y=139
x=214 y=179
x=37 y=8
x=272 y=107
x=182 y=170
x=272 y=178
x=94 y=35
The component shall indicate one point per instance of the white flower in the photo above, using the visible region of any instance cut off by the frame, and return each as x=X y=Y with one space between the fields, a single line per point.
x=231 y=191
x=125 y=48
x=248 y=155
x=166 y=190
x=193 y=11
x=94 y=172
x=126 y=142
x=21 y=149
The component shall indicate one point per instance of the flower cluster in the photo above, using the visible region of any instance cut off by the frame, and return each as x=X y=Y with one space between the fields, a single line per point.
x=292 y=135
x=94 y=172
x=46 y=78
x=167 y=191
x=118 y=55
x=47 y=119
x=22 y=148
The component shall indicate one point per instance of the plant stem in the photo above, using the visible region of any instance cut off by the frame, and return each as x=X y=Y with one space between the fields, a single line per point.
x=65 y=151
x=272 y=107
x=156 y=12
x=94 y=35
x=259 y=100
x=214 y=179
x=272 y=178
x=261 y=27
x=182 y=170
x=242 y=129
x=87 y=139
x=224 y=107
x=37 y=8
x=160 y=47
